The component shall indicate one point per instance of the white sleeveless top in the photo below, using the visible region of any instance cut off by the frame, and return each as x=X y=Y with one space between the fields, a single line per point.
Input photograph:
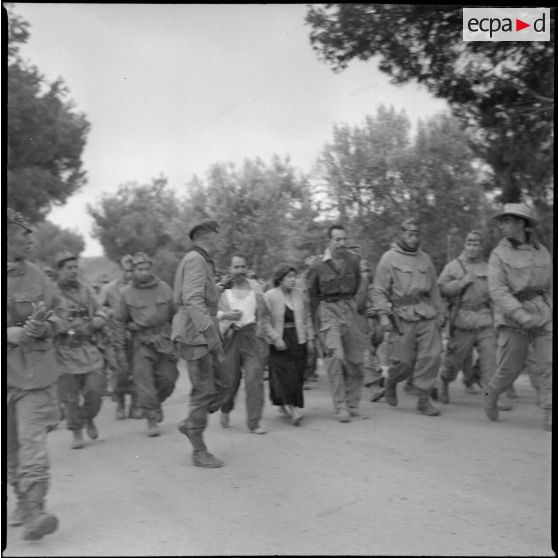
x=247 y=304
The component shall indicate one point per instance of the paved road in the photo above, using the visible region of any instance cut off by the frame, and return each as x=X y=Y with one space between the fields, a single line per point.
x=396 y=483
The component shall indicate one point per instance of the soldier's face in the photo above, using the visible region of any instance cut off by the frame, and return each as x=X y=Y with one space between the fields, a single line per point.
x=69 y=271
x=410 y=236
x=142 y=271
x=472 y=248
x=128 y=273
x=20 y=243
x=238 y=267
x=512 y=227
x=337 y=242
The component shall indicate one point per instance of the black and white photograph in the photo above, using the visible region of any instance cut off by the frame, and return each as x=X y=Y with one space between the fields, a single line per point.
x=279 y=279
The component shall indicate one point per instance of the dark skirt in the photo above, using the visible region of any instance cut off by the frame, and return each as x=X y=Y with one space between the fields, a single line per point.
x=286 y=371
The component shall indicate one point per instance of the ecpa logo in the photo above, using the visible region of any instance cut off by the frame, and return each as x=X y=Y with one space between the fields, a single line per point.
x=506 y=24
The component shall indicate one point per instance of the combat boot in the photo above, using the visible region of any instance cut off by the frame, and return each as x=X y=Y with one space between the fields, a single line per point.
x=410 y=388
x=19 y=515
x=134 y=412
x=120 y=412
x=152 y=428
x=38 y=523
x=91 y=430
x=444 y=392
x=424 y=407
x=491 y=404
x=391 y=393
x=77 y=442
x=201 y=457
x=547 y=419
x=376 y=393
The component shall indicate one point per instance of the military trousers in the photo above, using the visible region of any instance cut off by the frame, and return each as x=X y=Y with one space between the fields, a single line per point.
x=30 y=414
x=82 y=397
x=155 y=376
x=121 y=379
x=460 y=348
x=512 y=357
x=208 y=388
x=344 y=345
x=243 y=356
x=415 y=353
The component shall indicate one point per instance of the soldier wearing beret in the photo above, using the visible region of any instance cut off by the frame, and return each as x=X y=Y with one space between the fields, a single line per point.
x=121 y=378
x=144 y=311
x=80 y=360
x=333 y=281
x=411 y=311
x=520 y=283
x=195 y=330
x=33 y=318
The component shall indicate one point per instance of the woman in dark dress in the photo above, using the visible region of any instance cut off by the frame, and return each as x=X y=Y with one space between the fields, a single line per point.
x=291 y=332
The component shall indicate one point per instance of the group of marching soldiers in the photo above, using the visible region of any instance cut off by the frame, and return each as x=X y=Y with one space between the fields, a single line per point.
x=62 y=336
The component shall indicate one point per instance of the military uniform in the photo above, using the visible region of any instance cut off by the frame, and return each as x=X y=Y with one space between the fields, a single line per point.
x=31 y=374
x=121 y=378
x=471 y=319
x=520 y=285
x=374 y=335
x=195 y=329
x=332 y=293
x=405 y=285
x=80 y=361
x=145 y=309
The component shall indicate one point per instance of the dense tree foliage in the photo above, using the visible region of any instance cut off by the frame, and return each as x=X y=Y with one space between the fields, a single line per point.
x=503 y=92
x=50 y=239
x=378 y=174
x=45 y=135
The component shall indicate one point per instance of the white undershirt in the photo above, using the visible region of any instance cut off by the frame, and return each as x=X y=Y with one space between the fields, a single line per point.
x=247 y=304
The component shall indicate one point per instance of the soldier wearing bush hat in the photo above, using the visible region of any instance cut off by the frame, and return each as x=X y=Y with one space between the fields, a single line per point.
x=520 y=283
x=520 y=210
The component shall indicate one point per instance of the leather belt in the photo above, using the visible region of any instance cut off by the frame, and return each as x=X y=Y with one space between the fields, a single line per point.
x=409 y=300
x=336 y=298
x=522 y=296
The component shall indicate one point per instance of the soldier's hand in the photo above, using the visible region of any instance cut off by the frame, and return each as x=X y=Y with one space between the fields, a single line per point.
x=212 y=338
x=385 y=323
x=15 y=335
x=97 y=322
x=35 y=329
x=524 y=318
x=468 y=279
x=280 y=345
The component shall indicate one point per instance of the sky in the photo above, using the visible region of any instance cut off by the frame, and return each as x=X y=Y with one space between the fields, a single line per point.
x=171 y=89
